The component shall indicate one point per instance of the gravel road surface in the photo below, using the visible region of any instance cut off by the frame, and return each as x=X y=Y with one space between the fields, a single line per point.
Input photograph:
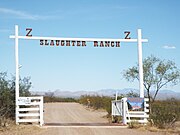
x=76 y=113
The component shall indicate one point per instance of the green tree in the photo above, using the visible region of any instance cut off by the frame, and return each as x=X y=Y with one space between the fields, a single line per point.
x=7 y=94
x=157 y=73
x=132 y=94
x=24 y=86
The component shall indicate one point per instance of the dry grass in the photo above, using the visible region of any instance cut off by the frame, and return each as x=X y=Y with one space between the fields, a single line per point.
x=134 y=125
x=175 y=130
x=152 y=128
x=21 y=130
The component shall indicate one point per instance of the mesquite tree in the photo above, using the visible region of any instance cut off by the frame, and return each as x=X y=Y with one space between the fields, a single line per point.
x=157 y=73
x=7 y=94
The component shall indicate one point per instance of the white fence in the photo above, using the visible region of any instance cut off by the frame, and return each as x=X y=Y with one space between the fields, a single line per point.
x=120 y=108
x=30 y=109
x=117 y=108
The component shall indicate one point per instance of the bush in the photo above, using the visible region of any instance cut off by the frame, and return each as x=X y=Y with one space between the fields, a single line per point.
x=7 y=96
x=134 y=124
x=165 y=113
x=97 y=102
x=48 y=99
x=116 y=119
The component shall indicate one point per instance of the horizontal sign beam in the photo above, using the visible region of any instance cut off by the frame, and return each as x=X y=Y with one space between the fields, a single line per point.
x=77 y=39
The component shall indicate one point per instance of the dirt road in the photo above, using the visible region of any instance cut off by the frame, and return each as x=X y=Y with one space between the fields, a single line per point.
x=73 y=113
x=76 y=113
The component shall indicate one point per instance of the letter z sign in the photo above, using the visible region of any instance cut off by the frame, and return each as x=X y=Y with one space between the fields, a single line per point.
x=29 y=30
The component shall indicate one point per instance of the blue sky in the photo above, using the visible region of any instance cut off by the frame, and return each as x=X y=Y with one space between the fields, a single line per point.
x=89 y=68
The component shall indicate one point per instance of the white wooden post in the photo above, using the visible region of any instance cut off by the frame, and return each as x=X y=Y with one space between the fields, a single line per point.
x=116 y=95
x=124 y=100
x=140 y=64
x=41 y=111
x=17 y=72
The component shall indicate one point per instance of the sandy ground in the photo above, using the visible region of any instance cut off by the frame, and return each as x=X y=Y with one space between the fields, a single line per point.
x=73 y=113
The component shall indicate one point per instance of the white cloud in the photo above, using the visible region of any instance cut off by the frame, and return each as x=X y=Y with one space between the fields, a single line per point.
x=169 y=47
x=22 y=15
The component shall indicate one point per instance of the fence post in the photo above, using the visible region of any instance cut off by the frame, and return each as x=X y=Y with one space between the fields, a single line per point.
x=41 y=112
x=124 y=100
x=17 y=73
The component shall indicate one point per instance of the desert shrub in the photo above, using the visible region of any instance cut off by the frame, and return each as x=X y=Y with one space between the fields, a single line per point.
x=116 y=119
x=7 y=96
x=84 y=99
x=97 y=102
x=165 y=113
x=107 y=104
x=48 y=99
x=134 y=124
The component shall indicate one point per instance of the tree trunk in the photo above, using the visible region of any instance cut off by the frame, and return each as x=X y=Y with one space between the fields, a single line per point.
x=149 y=97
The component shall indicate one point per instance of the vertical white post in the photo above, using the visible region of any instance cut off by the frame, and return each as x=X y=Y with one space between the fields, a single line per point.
x=140 y=64
x=124 y=100
x=17 y=73
x=116 y=95
x=41 y=111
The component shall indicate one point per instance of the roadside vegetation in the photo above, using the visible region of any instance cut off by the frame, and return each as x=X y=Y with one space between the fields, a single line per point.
x=96 y=102
x=158 y=73
x=49 y=97
x=165 y=114
x=7 y=97
x=102 y=102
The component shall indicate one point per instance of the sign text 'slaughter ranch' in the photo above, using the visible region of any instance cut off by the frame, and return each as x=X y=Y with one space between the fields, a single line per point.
x=78 y=42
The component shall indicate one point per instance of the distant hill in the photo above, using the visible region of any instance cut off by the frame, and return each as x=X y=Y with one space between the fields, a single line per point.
x=163 y=94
